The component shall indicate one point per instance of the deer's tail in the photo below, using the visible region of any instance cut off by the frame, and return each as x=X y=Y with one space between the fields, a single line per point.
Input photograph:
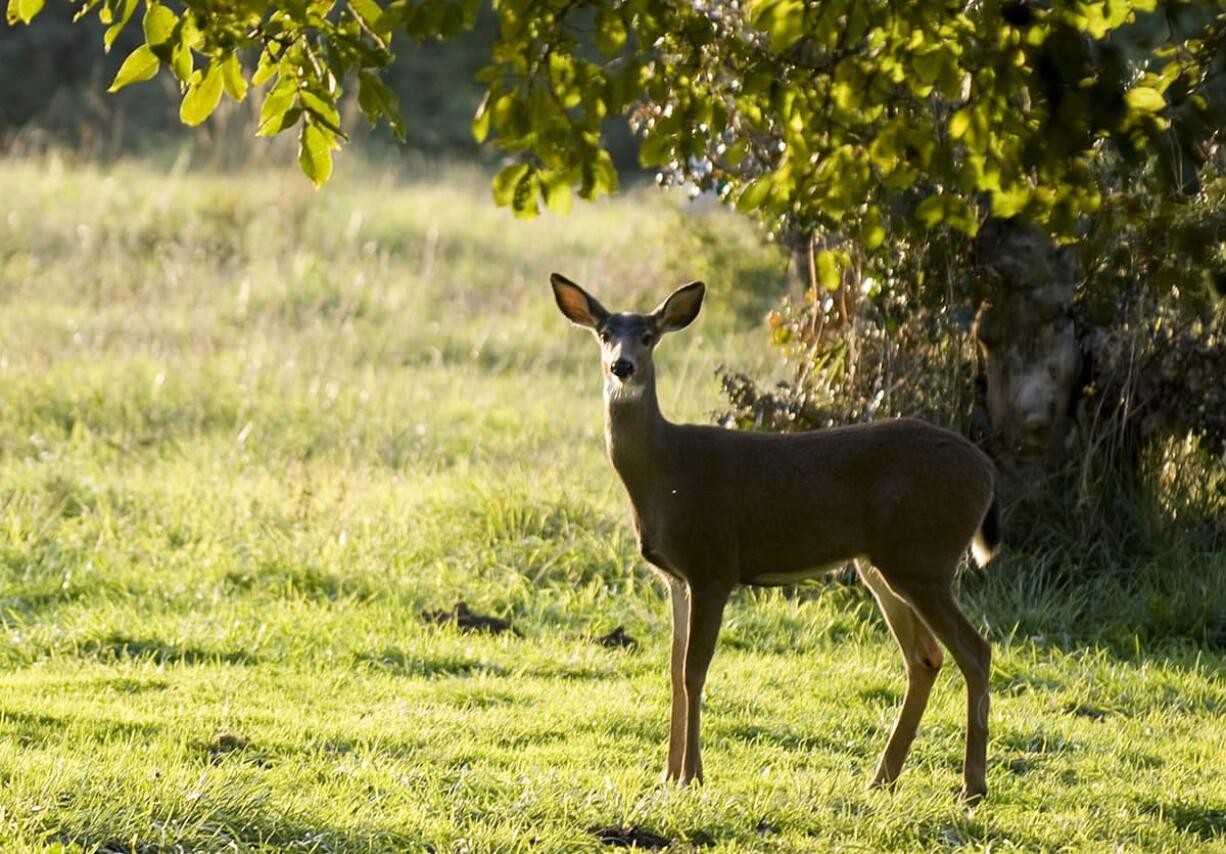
x=987 y=539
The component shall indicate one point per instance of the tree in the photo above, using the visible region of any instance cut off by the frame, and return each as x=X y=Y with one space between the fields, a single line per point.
x=863 y=121
x=806 y=110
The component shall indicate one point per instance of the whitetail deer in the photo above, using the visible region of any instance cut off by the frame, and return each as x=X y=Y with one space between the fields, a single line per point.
x=714 y=508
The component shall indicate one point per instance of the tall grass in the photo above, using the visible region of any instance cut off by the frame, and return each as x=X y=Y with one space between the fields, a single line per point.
x=248 y=432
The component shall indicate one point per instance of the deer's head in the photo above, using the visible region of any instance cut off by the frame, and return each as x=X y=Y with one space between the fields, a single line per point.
x=627 y=340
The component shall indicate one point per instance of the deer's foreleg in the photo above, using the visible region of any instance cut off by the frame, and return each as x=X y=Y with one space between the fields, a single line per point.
x=706 y=609
x=681 y=627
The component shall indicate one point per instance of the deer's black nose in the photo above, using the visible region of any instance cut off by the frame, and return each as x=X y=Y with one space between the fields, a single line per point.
x=622 y=368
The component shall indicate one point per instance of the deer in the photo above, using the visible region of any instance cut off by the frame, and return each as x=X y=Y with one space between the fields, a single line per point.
x=715 y=508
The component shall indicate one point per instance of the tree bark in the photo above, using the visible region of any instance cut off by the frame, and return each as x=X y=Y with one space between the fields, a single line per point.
x=1028 y=344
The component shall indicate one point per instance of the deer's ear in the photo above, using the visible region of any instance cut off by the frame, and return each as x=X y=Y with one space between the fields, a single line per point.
x=680 y=309
x=580 y=307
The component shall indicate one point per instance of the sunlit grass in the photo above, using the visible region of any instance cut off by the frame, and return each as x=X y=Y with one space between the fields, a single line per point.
x=249 y=432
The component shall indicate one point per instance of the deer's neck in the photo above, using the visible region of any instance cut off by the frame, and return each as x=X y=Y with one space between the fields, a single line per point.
x=635 y=435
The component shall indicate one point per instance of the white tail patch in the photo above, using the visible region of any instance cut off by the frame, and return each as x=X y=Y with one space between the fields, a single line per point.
x=980 y=550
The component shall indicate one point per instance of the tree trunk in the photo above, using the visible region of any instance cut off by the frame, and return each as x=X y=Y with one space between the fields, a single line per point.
x=1028 y=343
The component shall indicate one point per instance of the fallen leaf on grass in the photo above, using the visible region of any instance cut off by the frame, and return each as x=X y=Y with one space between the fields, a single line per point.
x=467 y=621
x=618 y=638
x=629 y=837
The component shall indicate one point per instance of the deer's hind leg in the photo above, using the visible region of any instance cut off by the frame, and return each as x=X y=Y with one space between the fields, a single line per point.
x=925 y=586
x=940 y=612
x=923 y=660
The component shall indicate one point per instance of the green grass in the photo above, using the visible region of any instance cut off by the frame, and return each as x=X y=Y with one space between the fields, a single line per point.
x=248 y=432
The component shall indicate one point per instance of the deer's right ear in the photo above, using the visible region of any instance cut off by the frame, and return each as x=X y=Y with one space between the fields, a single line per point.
x=580 y=307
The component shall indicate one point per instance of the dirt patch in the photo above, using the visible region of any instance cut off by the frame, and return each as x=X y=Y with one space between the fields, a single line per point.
x=468 y=621
x=629 y=837
x=225 y=744
x=1085 y=710
x=765 y=828
x=618 y=639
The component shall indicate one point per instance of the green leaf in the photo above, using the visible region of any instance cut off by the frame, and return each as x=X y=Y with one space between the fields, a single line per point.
x=931 y=211
x=505 y=182
x=372 y=16
x=181 y=61
x=556 y=190
x=375 y=99
x=202 y=97
x=788 y=25
x=599 y=175
x=140 y=65
x=1010 y=202
x=872 y=234
x=783 y=19
x=276 y=104
x=958 y=123
x=828 y=270
x=265 y=68
x=159 y=24
x=957 y=214
x=753 y=195
x=233 y=79
x=113 y=31
x=23 y=11
x=1145 y=99
x=927 y=66
x=610 y=32
x=281 y=123
x=523 y=203
x=315 y=153
x=324 y=111
x=481 y=120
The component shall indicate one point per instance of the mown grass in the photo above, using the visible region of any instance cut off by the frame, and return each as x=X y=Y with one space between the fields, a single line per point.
x=249 y=432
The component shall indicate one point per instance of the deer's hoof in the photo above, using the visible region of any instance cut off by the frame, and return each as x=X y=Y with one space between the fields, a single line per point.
x=973 y=796
x=690 y=780
x=881 y=783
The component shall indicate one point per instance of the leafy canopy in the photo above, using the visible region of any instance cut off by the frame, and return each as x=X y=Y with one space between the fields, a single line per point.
x=823 y=115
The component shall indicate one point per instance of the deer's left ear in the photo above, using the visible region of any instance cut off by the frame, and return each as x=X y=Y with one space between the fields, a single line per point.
x=681 y=307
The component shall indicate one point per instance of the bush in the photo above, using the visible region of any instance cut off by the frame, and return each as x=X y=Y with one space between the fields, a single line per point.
x=1142 y=475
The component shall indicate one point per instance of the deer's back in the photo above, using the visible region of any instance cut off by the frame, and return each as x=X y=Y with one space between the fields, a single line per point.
x=780 y=504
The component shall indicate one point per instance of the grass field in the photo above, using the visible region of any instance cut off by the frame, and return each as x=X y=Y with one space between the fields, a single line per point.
x=249 y=432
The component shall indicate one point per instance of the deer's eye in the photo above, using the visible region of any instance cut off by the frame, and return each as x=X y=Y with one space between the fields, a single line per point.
x=604 y=336
x=648 y=339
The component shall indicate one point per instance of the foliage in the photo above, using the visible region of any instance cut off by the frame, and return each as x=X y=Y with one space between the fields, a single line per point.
x=817 y=113
x=871 y=348
x=248 y=432
x=304 y=53
x=53 y=81
x=1143 y=469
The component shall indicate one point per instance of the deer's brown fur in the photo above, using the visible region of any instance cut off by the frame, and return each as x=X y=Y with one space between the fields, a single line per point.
x=714 y=508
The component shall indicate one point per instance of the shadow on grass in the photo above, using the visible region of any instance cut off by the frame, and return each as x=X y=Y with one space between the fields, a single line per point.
x=784 y=738
x=1207 y=822
x=301 y=583
x=1169 y=612
x=30 y=602
x=118 y=647
x=30 y=729
x=399 y=663
x=243 y=832
x=975 y=830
